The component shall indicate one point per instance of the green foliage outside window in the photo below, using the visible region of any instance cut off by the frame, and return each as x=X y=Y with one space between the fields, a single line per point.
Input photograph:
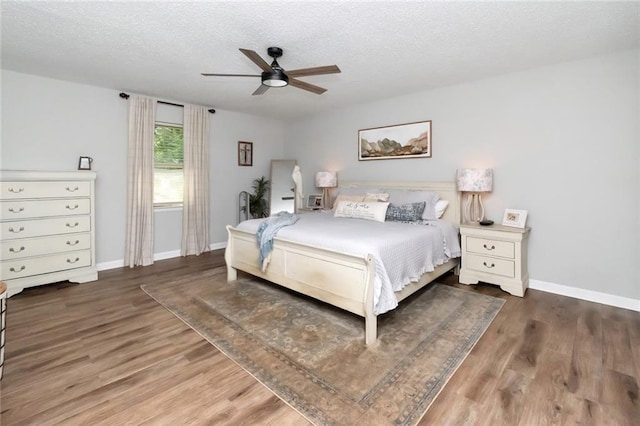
x=167 y=143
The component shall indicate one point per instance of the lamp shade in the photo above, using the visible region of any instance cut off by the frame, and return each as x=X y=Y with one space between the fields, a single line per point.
x=326 y=179
x=474 y=180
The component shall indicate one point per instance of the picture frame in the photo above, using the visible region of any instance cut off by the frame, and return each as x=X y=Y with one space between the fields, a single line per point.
x=84 y=163
x=514 y=218
x=409 y=140
x=245 y=153
x=314 y=201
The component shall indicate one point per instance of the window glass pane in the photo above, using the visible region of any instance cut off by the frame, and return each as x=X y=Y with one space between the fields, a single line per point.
x=168 y=164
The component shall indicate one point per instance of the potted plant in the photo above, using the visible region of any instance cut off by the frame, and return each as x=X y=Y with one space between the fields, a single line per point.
x=258 y=206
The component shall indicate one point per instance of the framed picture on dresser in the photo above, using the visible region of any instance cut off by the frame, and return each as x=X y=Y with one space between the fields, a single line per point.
x=514 y=218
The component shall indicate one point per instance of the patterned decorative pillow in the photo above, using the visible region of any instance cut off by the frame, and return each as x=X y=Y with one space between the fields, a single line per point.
x=369 y=211
x=381 y=196
x=406 y=196
x=405 y=213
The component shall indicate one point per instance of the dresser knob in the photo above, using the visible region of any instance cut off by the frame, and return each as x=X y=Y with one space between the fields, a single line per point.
x=76 y=242
x=12 y=210
x=18 y=231
x=74 y=189
x=489 y=248
x=71 y=208
x=16 y=191
x=12 y=250
x=22 y=268
x=489 y=266
x=73 y=261
x=72 y=226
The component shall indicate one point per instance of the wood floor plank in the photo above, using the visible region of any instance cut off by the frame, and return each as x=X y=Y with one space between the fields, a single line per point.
x=106 y=353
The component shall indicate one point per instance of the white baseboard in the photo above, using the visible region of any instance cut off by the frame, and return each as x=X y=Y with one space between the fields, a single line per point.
x=589 y=295
x=157 y=256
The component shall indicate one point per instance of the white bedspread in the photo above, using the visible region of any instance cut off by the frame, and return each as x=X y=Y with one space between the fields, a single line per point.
x=402 y=252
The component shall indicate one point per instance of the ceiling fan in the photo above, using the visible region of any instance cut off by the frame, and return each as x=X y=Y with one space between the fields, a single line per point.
x=275 y=76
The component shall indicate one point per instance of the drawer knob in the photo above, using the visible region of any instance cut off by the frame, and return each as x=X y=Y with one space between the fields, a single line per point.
x=489 y=266
x=16 y=191
x=12 y=250
x=72 y=208
x=22 y=268
x=12 y=210
x=18 y=231
x=489 y=248
x=76 y=242
x=72 y=226
x=74 y=189
x=73 y=261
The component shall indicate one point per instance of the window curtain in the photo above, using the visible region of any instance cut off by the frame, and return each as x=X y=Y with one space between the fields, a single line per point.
x=139 y=237
x=195 y=212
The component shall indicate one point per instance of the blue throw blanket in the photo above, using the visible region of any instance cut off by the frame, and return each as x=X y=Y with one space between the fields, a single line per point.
x=267 y=231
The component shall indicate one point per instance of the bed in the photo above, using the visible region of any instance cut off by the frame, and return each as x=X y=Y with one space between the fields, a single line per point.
x=346 y=279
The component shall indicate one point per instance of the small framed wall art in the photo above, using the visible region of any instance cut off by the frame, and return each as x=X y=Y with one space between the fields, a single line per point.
x=85 y=163
x=245 y=153
x=410 y=140
x=515 y=218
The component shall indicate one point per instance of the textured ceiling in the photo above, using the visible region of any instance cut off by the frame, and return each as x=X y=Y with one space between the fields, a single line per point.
x=384 y=48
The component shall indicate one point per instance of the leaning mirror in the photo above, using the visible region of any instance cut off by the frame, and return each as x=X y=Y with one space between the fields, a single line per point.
x=283 y=188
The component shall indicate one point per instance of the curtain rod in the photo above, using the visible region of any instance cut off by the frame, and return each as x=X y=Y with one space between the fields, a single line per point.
x=126 y=96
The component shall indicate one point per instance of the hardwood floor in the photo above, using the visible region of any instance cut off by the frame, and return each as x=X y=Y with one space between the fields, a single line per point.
x=106 y=353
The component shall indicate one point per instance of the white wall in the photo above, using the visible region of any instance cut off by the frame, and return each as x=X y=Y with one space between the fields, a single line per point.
x=47 y=124
x=563 y=143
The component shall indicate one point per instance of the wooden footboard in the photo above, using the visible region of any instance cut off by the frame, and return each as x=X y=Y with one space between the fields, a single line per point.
x=340 y=279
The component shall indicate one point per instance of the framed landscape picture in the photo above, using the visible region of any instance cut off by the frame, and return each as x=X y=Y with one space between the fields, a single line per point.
x=410 y=140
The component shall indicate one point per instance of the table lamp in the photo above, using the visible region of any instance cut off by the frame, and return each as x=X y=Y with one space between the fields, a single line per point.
x=326 y=181
x=474 y=181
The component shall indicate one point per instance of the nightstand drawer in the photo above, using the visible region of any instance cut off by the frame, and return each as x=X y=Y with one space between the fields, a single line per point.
x=490 y=265
x=491 y=247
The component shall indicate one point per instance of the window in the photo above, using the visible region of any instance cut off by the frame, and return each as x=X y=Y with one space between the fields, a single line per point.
x=168 y=154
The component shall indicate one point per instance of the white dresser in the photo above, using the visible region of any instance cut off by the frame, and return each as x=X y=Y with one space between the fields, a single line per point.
x=47 y=228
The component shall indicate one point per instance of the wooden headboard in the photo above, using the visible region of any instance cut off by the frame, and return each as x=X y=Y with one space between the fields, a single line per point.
x=446 y=191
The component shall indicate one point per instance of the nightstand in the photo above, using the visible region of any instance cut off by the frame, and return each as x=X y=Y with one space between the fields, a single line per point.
x=308 y=210
x=495 y=254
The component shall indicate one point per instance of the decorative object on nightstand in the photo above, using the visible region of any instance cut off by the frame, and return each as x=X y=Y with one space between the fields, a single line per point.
x=474 y=181
x=495 y=254
x=326 y=181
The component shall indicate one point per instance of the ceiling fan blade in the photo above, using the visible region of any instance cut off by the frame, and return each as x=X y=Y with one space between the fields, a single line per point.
x=306 y=86
x=328 y=69
x=260 y=90
x=228 y=75
x=257 y=59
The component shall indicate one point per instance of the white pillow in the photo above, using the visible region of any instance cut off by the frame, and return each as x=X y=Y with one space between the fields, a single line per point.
x=375 y=211
x=347 y=197
x=441 y=206
x=381 y=196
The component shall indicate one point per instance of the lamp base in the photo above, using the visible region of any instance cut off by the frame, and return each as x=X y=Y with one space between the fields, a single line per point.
x=474 y=210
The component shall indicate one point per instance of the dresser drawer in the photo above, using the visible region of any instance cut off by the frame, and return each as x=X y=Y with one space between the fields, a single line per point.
x=28 y=247
x=19 y=268
x=11 y=210
x=491 y=265
x=491 y=247
x=43 y=227
x=51 y=189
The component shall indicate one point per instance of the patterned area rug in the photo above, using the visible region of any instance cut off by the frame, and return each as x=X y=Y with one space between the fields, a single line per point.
x=313 y=356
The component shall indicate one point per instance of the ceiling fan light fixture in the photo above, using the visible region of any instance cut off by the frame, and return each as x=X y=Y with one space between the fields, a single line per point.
x=276 y=78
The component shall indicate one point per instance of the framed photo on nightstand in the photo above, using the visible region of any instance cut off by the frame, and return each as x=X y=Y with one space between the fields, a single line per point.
x=514 y=218
x=314 y=201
